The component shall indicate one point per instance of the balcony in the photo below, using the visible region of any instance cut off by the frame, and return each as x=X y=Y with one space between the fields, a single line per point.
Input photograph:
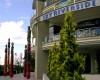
x=33 y=20
x=49 y=6
x=52 y=4
x=85 y=36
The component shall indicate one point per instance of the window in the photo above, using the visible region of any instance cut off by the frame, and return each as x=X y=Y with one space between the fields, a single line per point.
x=49 y=2
x=95 y=31
x=51 y=33
x=54 y=32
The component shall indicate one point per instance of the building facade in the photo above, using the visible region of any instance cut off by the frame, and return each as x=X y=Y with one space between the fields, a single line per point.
x=46 y=25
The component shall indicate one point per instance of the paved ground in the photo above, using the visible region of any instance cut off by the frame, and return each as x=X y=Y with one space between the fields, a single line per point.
x=92 y=76
x=17 y=77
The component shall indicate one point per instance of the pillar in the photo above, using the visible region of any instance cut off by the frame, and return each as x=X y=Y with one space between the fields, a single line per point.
x=93 y=63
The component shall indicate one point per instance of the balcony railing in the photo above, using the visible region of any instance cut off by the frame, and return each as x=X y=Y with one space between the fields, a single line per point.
x=80 y=33
x=33 y=19
x=51 y=5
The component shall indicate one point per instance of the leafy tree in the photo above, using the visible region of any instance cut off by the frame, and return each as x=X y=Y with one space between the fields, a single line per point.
x=18 y=63
x=32 y=60
x=66 y=60
x=52 y=62
x=1 y=70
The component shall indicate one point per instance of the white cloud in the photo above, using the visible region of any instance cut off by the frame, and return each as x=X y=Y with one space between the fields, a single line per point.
x=14 y=31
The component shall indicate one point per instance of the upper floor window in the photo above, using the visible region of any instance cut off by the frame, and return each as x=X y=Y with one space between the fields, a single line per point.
x=49 y=2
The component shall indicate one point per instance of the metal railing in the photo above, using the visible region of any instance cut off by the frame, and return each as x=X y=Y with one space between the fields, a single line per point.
x=33 y=19
x=48 y=3
x=80 y=33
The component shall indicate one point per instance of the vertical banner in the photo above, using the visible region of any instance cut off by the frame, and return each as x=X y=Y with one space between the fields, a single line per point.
x=5 y=62
x=28 y=53
x=12 y=59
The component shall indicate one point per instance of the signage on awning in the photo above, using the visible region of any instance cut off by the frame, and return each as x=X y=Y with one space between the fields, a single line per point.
x=73 y=7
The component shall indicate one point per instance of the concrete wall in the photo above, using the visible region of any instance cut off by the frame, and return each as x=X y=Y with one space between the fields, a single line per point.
x=92 y=76
x=40 y=55
x=45 y=77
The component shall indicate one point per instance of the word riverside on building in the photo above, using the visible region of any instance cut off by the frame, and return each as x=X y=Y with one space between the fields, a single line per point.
x=74 y=7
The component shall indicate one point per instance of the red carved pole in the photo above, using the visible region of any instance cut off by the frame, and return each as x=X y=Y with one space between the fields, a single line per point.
x=25 y=53
x=28 y=53
x=12 y=58
x=8 y=56
x=5 y=63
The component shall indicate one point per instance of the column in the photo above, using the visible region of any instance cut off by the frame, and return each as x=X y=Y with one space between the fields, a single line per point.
x=93 y=62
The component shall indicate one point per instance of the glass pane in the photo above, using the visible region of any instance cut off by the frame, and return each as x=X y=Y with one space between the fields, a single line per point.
x=51 y=35
x=49 y=2
x=95 y=31
x=80 y=33
x=51 y=29
x=86 y=33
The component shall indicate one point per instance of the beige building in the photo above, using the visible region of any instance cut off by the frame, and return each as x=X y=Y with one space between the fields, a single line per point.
x=46 y=25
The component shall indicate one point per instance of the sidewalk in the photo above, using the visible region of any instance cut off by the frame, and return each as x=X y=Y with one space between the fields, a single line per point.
x=18 y=77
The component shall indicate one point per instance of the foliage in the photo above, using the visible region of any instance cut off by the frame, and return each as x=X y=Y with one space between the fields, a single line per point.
x=18 y=69
x=1 y=70
x=65 y=59
x=97 y=66
x=52 y=62
x=32 y=60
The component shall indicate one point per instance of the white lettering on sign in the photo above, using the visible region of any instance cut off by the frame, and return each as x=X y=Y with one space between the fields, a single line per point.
x=74 y=7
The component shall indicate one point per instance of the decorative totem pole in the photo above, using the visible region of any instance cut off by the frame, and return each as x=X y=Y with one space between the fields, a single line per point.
x=28 y=53
x=25 y=54
x=12 y=59
x=5 y=62
x=8 y=56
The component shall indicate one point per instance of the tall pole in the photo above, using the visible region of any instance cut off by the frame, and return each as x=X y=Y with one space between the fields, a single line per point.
x=5 y=62
x=28 y=53
x=8 y=56
x=12 y=58
x=25 y=54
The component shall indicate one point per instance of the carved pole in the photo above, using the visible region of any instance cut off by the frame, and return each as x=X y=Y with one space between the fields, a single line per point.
x=5 y=62
x=8 y=56
x=12 y=59
x=28 y=53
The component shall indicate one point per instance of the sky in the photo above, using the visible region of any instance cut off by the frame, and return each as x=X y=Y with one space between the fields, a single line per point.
x=15 y=18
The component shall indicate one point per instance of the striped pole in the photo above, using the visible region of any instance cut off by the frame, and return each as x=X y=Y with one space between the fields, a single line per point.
x=8 y=56
x=25 y=54
x=5 y=62
x=28 y=53
x=12 y=58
